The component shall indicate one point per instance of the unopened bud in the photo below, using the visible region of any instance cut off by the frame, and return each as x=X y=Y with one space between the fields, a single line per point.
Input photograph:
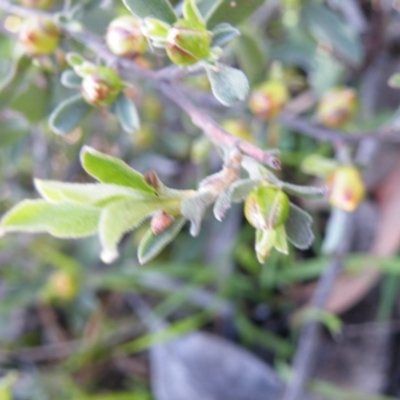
x=101 y=87
x=39 y=36
x=266 y=208
x=188 y=43
x=268 y=99
x=346 y=188
x=125 y=38
x=160 y=222
x=40 y=4
x=62 y=286
x=337 y=107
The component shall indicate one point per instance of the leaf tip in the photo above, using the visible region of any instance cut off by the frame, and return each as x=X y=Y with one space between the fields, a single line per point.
x=109 y=256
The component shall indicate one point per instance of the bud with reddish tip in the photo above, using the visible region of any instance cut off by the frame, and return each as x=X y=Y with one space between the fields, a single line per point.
x=40 y=4
x=268 y=99
x=187 y=43
x=39 y=36
x=337 y=107
x=160 y=222
x=346 y=188
x=101 y=87
x=125 y=38
x=266 y=208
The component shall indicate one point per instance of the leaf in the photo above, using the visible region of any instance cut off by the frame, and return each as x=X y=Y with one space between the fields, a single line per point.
x=86 y=193
x=70 y=79
x=394 y=81
x=160 y=9
x=119 y=218
x=64 y=220
x=315 y=164
x=232 y=12
x=298 y=228
x=306 y=192
x=193 y=209
x=127 y=114
x=223 y=34
x=75 y=59
x=334 y=231
x=280 y=243
x=69 y=114
x=191 y=13
x=13 y=128
x=151 y=245
x=229 y=85
x=107 y=169
x=328 y=27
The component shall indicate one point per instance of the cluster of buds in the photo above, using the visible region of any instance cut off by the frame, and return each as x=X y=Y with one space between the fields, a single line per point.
x=187 y=41
x=268 y=99
x=267 y=210
x=39 y=36
x=40 y=4
x=337 y=107
x=125 y=38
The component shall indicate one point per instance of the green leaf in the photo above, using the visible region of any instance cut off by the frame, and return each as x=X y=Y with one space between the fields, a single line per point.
x=64 y=220
x=394 y=81
x=13 y=128
x=127 y=114
x=151 y=245
x=298 y=227
x=193 y=209
x=223 y=34
x=107 y=169
x=14 y=77
x=327 y=27
x=229 y=85
x=70 y=79
x=233 y=12
x=315 y=164
x=334 y=231
x=119 y=218
x=87 y=193
x=160 y=9
x=75 y=60
x=265 y=240
x=69 y=115
x=191 y=13
x=280 y=243
x=306 y=192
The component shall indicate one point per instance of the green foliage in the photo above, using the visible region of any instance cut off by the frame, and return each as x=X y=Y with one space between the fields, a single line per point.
x=160 y=9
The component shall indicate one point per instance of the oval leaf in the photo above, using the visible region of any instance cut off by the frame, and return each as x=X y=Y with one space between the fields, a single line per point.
x=229 y=85
x=151 y=245
x=109 y=169
x=70 y=79
x=298 y=228
x=306 y=192
x=160 y=9
x=223 y=34
x=69 y=115
x=127 y=114
x=64 y=220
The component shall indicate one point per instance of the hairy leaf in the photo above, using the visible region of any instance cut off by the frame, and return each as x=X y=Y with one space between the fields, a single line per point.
x=69 y=114
x=151 y=245
x=160 y=9
x=298 y=227
x=223 y=34
x=307 y=192
x=192 y=13
x=280 y=243
x=64 y=220
x=70 y=79
x=315 y=164
x=229 y=85
x=127 y=114
x=107 y=169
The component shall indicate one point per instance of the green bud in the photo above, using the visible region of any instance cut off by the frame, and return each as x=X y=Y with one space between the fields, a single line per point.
x=39 y=36
x=266 y=208
x=125 y=38
x=101 y=87
x=156 y=30
x=188 y=43
x=40 y=4
x=265 y=240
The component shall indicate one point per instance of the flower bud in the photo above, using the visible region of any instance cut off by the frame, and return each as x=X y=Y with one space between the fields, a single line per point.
x=337 y=107
x=40 y=4
x=160 y=222
x=265 y=240
x=62 y=286
x=266 y=208
x=101 y=87
x=346 y=188
x=39 y=36
x=268 y=99
x=188 y=43
x=125 y=38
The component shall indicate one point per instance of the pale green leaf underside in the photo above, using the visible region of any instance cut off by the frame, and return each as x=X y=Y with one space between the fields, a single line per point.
x=298 y=228
x=69 y=115
x=160 y=9
x=119 y=218
x=107 y=169
x=70 y=79
x=229 y=85
x=87 y=193
x=151 y=245
x=306 y=192
x=64 y=220
x=127 y=114
x=223 y=34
